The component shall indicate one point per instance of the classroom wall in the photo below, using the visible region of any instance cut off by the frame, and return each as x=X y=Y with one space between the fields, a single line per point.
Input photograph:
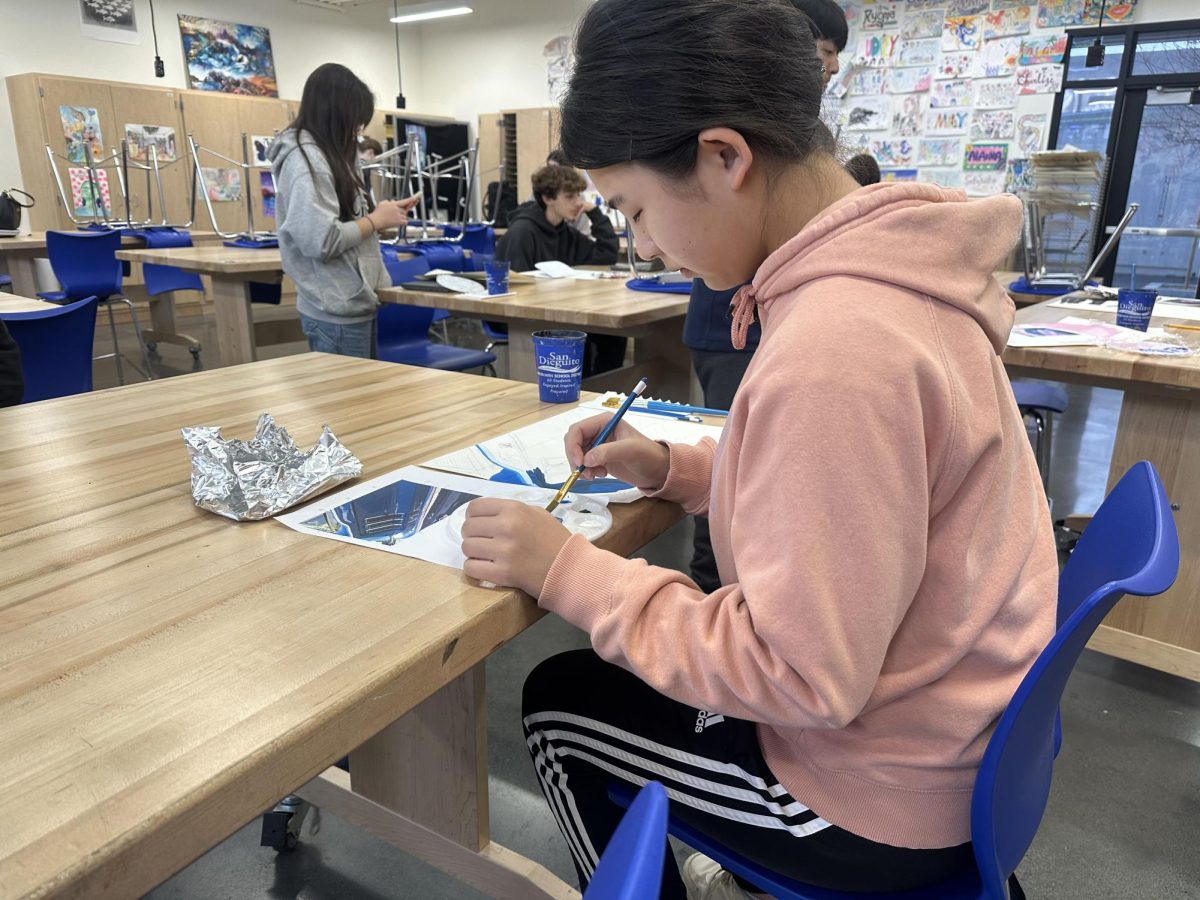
x=45 y=37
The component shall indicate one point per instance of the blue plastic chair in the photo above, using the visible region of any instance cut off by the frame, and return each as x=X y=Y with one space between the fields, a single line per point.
x=86 y=265
x=56 y=348
x=479 y=239
x=6 y=281
x=632 y=864
x=1038 y=401
x=1130 y=547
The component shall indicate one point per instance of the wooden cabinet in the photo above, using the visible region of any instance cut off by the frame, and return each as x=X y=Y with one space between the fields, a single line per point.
x=521 y=139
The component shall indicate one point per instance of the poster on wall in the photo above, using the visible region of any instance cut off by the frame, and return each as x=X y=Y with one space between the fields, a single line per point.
x=557 y=54
x=81 y=128
x=109 y=20
x=90 y=196
x=260 y=148
x=922 y=23
x=901 y=152
x=1113 y=12
x=867 y=114
x=906 y=116
x=919 y=53
x=1007 y=22
x=897 y=174
x=1031 y=132
x=940 y=152
x=1036 y=51
x=985 y=157
x=946 y=94
x=140 y=138
x=947 y=121
x=994 y=125
x=876 y=50
x=961 y=33
x=224 y=185
x=1039 y=79
x=1019 y=177
x=995 y=94
x=910 y=81
x=997 y=58
x=267 y=187
x=227 y=57
x=1059 y=13
x=879 y=17
x=984 y=184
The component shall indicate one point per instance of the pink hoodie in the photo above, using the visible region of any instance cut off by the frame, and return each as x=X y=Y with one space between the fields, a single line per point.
x=883 y=539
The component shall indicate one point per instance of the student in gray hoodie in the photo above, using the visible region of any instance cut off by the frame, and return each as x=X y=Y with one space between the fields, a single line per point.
x=328 y=222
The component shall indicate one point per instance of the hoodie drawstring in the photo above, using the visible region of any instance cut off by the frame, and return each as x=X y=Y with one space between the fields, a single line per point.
x=741 y=309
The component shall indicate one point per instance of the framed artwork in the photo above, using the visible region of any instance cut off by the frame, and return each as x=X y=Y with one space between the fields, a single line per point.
x=109 y=20
x=223 y=56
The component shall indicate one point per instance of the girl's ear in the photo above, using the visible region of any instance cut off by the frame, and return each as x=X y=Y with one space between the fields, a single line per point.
x=723 y=153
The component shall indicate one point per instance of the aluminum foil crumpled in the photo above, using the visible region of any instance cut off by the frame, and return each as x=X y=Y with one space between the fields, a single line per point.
x=260 y=478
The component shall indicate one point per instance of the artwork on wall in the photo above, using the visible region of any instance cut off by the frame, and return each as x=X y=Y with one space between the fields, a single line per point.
x=90 y=196
x=956 y=65
x=1062 y=13
x=867 y=114
x=1039 y=50
x=870 y=80
x=267 y=186
x=923 y=23
x=81 y=128
x=260 y=146
x=997 y=58
x=947 y=178
x=1113 y=12
x=910 y=81
x=879 y=17
x=984 y=184
x=947 y=121
x=919 y=53
x=1019 y=177
x=950 y=93
x=962 y=33
x=985 y=157
x=1031 y=131
x=940 y=152
x=224 y=185
x=109 y=20
x=893 y=153
x=223 y=56
x=897 y=174
x=1007 y=22
x=557 y=54
x=906 y=116
x=994 y=125
x=1039 y=79
x=966 y=7
x=876 y=50
x=995 y=94
x=1008 y=4
x=140 y=138
x=911 y=5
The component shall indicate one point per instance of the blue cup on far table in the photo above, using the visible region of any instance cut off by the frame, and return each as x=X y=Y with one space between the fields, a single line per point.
x=1134 y=308
x=497 y=276
x=559 y=358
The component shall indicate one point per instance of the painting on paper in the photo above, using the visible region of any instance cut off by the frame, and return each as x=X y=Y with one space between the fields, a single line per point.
x=1008 y=4
x=962 y=33
x=906 y=116
x=897 y=174
x=910 y=81
x=81 y=128
x=880 y=17
x=1019 y=177
x=956 y=65
x=997 y=59
x=984 y=184
x=876 y=50
x=267 y=187
x=1060 y=13
x=1007 y=22
x=966 y=7
x=995 y=94
x=223 y=56
x=260 y=149
x=1113 y=12
x=919 y=53
x=867 y=114
x=89 y=192
x=1036 y=51
x=985 y=157
x=947 y=178
x=911 y=5
x=923 y=23
x=224 y=185
x=950 y=93
x=894 y=153
x=940 y=152
x=947 y=121
x=140 y=138
x=867 y=81
x=1031 y=131
x=995 y=125
x=1039 y=79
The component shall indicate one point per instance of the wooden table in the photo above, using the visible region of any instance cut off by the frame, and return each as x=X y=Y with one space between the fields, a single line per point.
x=605 y=306
x=1160 y=421
x=10 y=303
x=166 y=674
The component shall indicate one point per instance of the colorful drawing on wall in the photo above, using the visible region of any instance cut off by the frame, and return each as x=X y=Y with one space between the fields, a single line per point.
x=876 y=50
x=956 y=65
x=997 y=58
x=1007 y=22
x=267 y=185
x=894 y=152
x=1113 y=12
x=84 y=191
x=897 y=174
x=966 y=7
x=1037 y=51
x=995 y=125
x=918 y=53
x=946 y=121
x=985 y=157
x=922 y=23
x=984 y=184
x=947 y=178
x=1008 y=4
x=1031 y=131
x=906 y=116
x=1039 y=79
x=1018 y=178
x=558 y=56
x=961 y=33
x=995 y=94
x=867 y=114
x=910 y=5
x=872 y=80
x=81 y=128
x=140 y=138
x=1059 y=13
x=940 y=152
x=224 y=185
x=910 y=81
x=109 y=20
x=260 y=147
x=879 y=17
x=950 y=94
x=223 y=56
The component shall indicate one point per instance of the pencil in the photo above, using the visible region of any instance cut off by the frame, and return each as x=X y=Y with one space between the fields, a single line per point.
x=600 y=439
x=1180 y=327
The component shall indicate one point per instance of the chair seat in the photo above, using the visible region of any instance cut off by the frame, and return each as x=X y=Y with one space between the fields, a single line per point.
x=436 y=356
x=1040 y=395
x=5 y=280
x=53 y=296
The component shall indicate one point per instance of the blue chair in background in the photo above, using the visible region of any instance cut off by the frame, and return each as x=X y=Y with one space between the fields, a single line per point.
x=86 y=265
x=56 y=348
x=434 y=259
x=1130 y=547
x=404 y=330
x=167 y=279
x=1039 y=401
x=6 y=283
x=632 y=864
x=479 y=239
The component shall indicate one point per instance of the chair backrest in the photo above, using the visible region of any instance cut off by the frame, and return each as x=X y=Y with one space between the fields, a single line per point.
x=440 y=254
x=402 y=270
x=632 y=864
x=85 y=262
x=1130 y=547
x=56 y=348
x=478 y=239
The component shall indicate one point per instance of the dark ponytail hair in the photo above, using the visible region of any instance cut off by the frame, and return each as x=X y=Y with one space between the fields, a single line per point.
x=650 y=75
x=335 y=104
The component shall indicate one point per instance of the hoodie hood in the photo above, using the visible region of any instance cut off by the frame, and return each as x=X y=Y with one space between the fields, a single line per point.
x=532 y=212
x=285 y=142
x=917 y=236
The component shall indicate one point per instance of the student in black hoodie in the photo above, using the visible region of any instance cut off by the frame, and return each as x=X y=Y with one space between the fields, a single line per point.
x=539 y=231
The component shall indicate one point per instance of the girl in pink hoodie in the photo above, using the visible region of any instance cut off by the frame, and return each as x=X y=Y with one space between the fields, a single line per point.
x=887 y=566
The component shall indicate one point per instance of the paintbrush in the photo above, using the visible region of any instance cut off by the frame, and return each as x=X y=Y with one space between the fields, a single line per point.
x=600 y=439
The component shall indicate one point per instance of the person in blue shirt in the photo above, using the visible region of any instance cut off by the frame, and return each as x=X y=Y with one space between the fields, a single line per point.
x=718 y=366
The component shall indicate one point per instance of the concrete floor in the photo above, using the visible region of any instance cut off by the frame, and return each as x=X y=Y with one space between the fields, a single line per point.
x=1124 y=814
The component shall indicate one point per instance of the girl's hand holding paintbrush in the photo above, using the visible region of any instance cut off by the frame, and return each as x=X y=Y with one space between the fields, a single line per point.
x=627 y=454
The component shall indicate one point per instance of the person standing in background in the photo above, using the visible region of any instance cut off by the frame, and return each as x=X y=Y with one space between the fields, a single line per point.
x=12 y=379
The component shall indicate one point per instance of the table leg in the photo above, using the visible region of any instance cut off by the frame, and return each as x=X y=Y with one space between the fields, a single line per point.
x=235 y=325
x=163 y=329
x=23 y=270
x=1161 y=632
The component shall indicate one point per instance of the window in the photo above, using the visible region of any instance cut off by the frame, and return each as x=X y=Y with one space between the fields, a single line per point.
x=1167 y=53
x=1114 y=54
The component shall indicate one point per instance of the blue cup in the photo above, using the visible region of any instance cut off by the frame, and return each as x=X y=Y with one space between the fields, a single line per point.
x=559 y=358
x=1134 y=308
x=497 y=276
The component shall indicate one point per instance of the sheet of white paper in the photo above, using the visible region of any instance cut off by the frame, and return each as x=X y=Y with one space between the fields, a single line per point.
x=412 y=512
x=1164 y=308
x=533 y=456
x=1038 y=334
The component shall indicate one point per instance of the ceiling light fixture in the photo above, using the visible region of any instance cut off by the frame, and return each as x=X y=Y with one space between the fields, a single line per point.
x=421 y=12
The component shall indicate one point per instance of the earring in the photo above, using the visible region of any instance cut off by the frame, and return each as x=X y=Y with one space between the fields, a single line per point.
x=824 y=70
